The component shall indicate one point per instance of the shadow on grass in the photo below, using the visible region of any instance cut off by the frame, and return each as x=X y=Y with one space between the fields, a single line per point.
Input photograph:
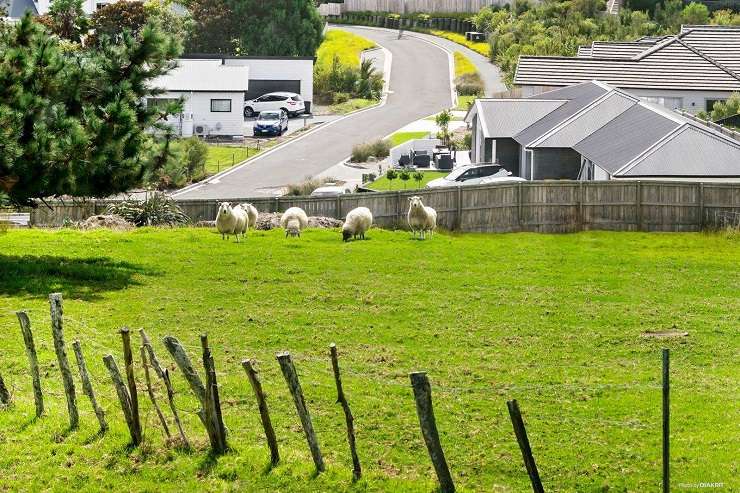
x=77 y=278
x=209 y=462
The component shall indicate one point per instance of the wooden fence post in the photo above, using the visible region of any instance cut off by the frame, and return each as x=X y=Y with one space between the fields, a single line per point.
x=57 y=323
x=87 y=387
x=459 y=211
x=123 y=397
x=425 y=411
x=186 y=367
x=341 y=399
x=33 y=361
x=701 y=206
x=666 y=422
x=519 y=200
x=128 y=359
x=521 y=437
x=213 y=415
x=150 y=391
x=638 y=204
x=291 y=378
x=4 y=393
x=264 y=412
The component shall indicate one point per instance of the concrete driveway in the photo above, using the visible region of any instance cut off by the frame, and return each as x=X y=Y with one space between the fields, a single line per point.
x=419 y=86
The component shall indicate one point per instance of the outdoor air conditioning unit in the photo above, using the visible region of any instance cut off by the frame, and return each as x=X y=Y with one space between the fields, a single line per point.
x=201 y=130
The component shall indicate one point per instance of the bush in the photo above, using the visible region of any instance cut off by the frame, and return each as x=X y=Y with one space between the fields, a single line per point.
x=194 y=155
x=307 y=186
x=156 y=210
x=470 y=84
x=340 y=97
x=379 y=148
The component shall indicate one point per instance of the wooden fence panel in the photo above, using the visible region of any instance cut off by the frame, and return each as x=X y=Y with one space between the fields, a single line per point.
x=490 y=209
x=609 y=206
x=719 y=198
x=550 y=207
x=670 y=206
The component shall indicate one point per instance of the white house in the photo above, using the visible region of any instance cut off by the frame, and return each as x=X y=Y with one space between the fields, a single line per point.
x=271 y=73
x=690 y=71
x=213 y=96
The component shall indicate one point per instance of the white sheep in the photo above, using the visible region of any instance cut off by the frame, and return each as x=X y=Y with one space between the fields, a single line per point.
x=357 y=222
x=242 y=220
x=225 y=220
x=421 y=218
x=252 y=214
x=293 y=221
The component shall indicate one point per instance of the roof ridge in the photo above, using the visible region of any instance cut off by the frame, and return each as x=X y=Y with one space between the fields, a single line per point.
x=677 y=39
x=708 y=58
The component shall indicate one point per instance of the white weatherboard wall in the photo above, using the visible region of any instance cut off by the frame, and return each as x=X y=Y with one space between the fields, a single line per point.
x=197 y=106
x=89 y=6
x=278 y=68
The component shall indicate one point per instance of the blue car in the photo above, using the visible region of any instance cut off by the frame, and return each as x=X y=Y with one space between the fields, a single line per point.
x=271 y=123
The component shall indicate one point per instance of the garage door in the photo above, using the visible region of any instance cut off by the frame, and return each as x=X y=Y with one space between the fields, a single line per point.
x=259 y=87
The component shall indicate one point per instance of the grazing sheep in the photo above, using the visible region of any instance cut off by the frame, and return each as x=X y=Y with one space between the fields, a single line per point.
x=225 y=220
x=242 y=220
x=293 y=221
x=358 y=221
x=252 y=214
x=421 y=218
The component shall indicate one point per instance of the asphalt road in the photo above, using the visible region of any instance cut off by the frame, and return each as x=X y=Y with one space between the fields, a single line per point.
x=419 y=87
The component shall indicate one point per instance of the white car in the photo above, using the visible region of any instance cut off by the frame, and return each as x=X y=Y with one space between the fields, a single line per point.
x=289 y=102
x=475 y=174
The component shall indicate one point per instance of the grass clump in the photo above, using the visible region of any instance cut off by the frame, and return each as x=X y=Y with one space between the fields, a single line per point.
x=307 y=186
x=468 y=81
x=379 y=149
x=399 y=138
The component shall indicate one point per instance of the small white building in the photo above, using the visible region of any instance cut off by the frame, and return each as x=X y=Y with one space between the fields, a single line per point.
x=270 y=73
x=213 y=96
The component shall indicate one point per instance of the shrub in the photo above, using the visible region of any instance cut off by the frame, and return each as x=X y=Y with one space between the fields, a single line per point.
x=379 y=148
x=156 y=210
x=469 y=84
x=194 y=155
x=340 y=97
x=307 y=186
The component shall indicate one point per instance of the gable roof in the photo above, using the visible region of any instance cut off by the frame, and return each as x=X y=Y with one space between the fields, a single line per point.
x=701 y=58
x=204 y=76
x=501 y=118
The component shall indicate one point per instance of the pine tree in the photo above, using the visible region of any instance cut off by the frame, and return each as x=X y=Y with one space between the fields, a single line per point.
x=75 y=123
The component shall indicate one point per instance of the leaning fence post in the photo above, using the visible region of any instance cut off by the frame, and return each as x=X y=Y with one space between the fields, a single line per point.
x=425 y=411
x=666 y=421
x=123 y=397
x=264 y=412
x=521 y=437
x=33 y=361
x=87 y=385
x=150 y=392
x=291 y=378
x=186 y=367
x=341 y=399
x=4 y=394
x=212 y=401
x=57 y=322
x=128 y=359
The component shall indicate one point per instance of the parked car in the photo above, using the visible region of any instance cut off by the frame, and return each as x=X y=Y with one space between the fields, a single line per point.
x=329 y=190
x=473 y=174
x=273 y=122
x=289 y=102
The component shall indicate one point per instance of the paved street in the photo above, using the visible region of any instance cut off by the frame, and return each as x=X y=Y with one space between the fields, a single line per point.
x=419 y=86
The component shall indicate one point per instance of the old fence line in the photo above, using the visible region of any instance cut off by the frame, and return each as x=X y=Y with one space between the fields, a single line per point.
x=210 y=412
x=545 y=207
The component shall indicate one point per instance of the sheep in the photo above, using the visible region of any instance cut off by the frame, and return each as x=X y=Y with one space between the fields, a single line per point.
x=252 y=214
x=242 y=221
x=225 y=220
x=421 y=218
x=357 y=222
x=293 y=221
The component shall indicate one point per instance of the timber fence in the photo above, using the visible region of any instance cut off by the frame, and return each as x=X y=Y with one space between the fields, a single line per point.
x=301 y=378
x=545 y=207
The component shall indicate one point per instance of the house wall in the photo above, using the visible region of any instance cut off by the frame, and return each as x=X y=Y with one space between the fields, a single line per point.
x=692 y=101
x=89 y=6
x=556 y=164
x=507 y=154
x=198 y=105
x=488 y=150
x=279 y=69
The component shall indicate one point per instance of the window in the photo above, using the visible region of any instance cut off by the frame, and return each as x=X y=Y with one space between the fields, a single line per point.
x=220 y=106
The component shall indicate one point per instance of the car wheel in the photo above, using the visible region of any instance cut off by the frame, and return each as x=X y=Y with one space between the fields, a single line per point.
x=248 y=112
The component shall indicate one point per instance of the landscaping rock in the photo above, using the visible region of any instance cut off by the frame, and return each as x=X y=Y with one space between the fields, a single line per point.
x=112 y=222
x=271 y=220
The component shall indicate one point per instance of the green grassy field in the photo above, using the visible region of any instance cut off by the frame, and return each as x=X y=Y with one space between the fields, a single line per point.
x=345 y=45
x=383 y=184
x=555 y=321
x=399 y=138
x=463 y=65
x=351 y=105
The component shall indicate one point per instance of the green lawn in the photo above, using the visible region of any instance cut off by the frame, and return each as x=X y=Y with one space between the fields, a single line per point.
x=554 y=321
x=351 y=105
x=347 y=46
x=463 y=65
x=464 y=102
x=383 y=184
x=399 y=138
x=222 y=157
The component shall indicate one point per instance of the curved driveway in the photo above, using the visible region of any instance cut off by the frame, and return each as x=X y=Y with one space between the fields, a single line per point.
x=419 y=87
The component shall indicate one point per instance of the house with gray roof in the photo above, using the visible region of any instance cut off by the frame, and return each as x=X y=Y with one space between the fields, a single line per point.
x=690 y=71
x=594 y=131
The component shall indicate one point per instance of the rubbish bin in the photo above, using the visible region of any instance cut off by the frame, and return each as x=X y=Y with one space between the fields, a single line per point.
x=308 y=107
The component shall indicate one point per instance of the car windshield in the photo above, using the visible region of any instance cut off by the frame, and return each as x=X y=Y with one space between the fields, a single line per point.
x=269 y=115
x=456 y=174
